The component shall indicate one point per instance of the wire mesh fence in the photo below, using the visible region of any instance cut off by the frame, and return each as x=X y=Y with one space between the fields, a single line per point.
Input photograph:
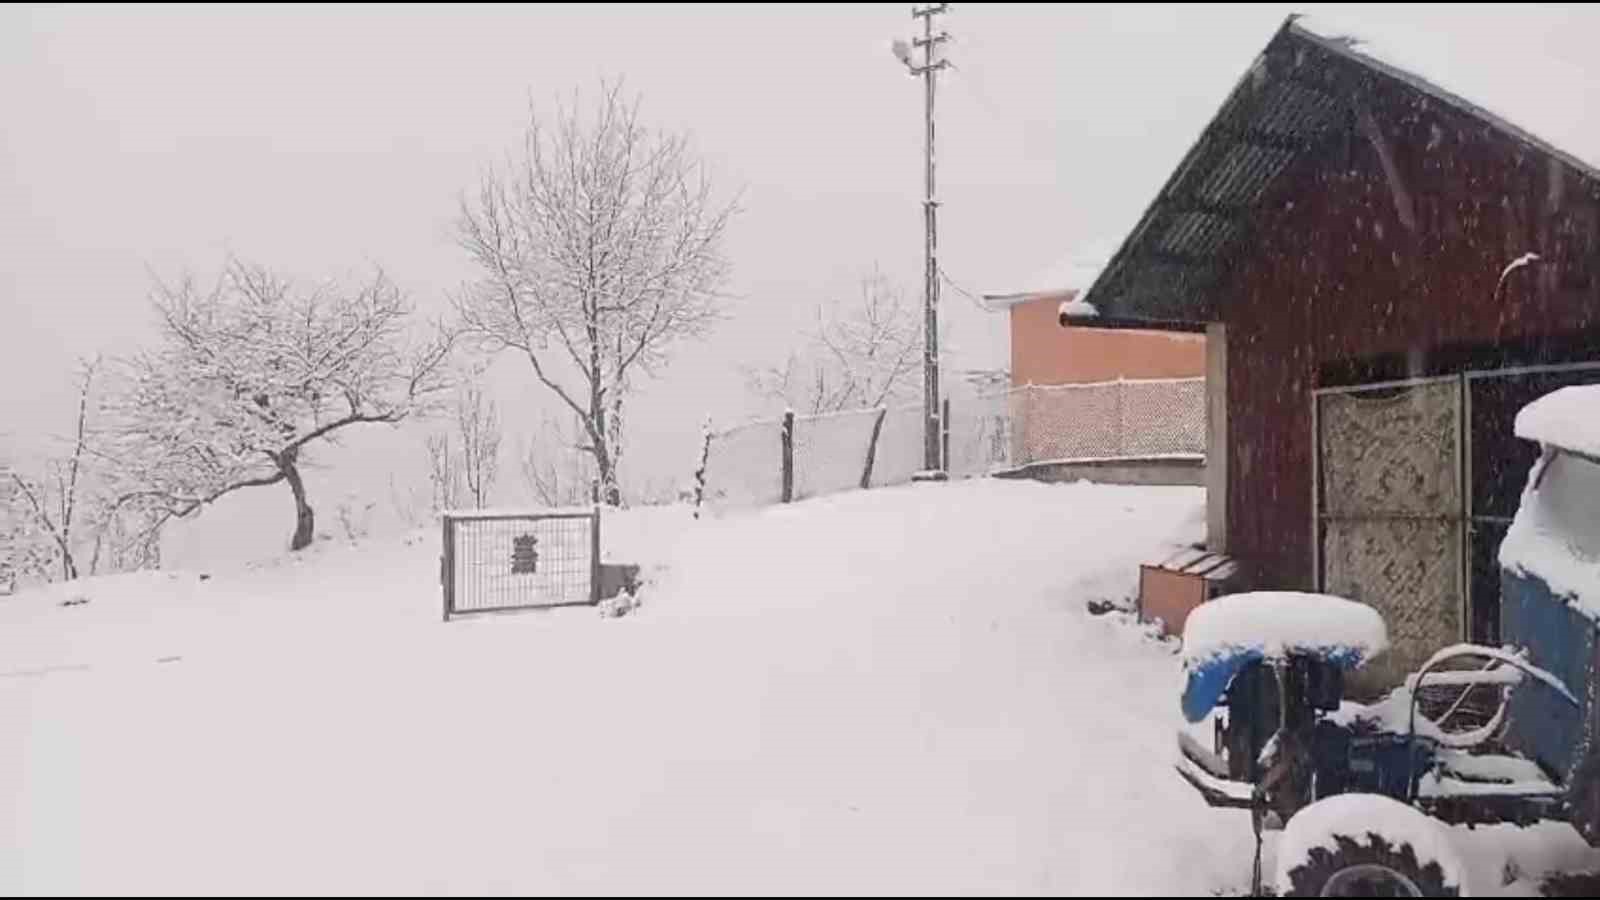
x=758 y=463
x=1164 y=417
x=900 y=447
x=743 y=465
x=830 y=451
x=1108 y=420
x=504 y=561
x=980 y=434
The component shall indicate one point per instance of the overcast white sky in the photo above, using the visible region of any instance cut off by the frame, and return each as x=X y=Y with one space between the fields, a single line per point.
x=323 y=139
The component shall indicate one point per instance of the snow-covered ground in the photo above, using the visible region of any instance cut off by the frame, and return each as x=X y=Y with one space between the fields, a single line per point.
x=896 y=691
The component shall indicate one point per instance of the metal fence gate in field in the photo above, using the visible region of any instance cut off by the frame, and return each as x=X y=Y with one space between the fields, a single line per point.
x=494 y=562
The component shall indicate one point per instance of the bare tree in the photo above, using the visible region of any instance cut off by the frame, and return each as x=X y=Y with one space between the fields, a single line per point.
x=253 y=373
x=53 y=503
x=407 y=503
x=598 y=250
x=859 y=356
x=77 y=518
x=478 y=422
x=463 y=463
x=443 y=472
x=553 y=467
x=27 y=550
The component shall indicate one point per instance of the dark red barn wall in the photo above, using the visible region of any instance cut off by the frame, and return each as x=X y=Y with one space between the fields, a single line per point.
x=1332 y=286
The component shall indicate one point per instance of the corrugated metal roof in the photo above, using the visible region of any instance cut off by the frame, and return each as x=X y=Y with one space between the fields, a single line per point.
x=1275 y=115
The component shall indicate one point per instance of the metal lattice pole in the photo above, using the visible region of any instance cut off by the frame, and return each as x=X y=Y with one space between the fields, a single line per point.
x=933 y=456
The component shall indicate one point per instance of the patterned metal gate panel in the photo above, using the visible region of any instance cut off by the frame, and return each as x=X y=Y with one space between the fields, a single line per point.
x=494 y=562
x=1390 y=512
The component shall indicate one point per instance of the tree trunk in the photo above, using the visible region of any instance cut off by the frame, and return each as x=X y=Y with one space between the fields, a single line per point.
x=69 y=567
x=606 y=471
x=872 y=449
x=605 y=467
x=614 y=449
x=304 y=518
x=786 y=458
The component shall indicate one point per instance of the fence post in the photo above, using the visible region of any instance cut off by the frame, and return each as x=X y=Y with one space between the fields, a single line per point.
x=787 y=437
x=594 y=558
x=872 y=449
x=447 y=565
x=1122 y=426
x=944 y=437
x=700 y=473
x=1025 y=456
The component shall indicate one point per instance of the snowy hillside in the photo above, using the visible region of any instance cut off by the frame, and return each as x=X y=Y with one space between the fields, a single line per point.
x=886 y=691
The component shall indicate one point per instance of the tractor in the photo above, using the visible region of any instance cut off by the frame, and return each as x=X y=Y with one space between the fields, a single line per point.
x=1362 y=792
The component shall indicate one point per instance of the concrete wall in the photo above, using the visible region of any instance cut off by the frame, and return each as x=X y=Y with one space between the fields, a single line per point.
x=1126 y=471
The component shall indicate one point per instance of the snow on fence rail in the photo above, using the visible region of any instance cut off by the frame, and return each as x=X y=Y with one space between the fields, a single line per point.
x=794 y=457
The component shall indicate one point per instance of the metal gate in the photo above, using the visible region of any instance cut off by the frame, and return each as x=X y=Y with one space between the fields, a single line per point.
x=1416 y=482
x=494 y=562
x=1390 y=513
x=1497 y=465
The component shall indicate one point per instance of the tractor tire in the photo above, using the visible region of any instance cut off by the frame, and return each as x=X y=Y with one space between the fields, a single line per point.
x=1371 y=847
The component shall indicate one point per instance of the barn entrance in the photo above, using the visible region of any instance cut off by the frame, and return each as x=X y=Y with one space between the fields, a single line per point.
x=1390 y=511
x=1497 y=467
x=1415 y=484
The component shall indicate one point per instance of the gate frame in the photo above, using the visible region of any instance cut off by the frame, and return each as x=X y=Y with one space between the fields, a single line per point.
x=1463 y=573
x=447 y=554
x=1464 y=380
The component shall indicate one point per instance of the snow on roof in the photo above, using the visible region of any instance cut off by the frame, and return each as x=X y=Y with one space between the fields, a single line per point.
x=1078 y=308
x=1568 y=418
x=1439 y=61
x=1274 y=623
x=1072 y=274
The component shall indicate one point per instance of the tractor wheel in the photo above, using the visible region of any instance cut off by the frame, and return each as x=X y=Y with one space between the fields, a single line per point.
x=1360 y=845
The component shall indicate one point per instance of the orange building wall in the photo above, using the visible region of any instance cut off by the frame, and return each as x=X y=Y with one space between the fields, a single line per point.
x=1043 y=352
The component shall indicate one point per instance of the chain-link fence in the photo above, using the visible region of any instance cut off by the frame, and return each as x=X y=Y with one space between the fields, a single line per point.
x=743 y=465
x=856 y=449
x=796 y=457
x=1108 y=420
x=980 y=434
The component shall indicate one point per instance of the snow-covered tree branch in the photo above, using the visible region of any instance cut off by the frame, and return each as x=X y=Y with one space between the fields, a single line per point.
x=598 y=248
x=254 y=371
x=74 y=515
x=861 y=355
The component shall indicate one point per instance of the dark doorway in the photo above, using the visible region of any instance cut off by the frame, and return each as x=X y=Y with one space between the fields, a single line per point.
x=1497 y=470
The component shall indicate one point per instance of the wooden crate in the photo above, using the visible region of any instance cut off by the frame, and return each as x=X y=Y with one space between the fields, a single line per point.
x=1175 y=587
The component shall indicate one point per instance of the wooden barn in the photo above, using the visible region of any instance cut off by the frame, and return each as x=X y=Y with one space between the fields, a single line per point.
x=1386 y=273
